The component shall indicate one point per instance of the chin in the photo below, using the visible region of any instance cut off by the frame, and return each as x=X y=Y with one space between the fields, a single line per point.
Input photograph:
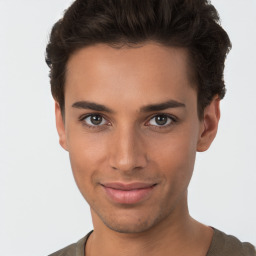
x=128 y=228
x=134 y=223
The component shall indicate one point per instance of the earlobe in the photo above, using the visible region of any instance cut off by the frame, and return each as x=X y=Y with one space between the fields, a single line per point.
x=209 y=125
x=60 y=126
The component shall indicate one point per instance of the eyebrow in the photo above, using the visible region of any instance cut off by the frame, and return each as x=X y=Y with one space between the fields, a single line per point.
x=92 y=106
x=162 y=106
x=147 y=108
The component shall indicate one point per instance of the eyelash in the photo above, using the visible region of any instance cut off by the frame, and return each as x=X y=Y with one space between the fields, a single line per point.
x=171 y=117
x=82 y=119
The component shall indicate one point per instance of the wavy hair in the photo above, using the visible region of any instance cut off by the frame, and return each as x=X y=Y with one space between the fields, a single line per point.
x=191 y=24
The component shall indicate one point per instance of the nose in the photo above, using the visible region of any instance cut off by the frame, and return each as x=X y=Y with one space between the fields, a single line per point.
x=127 y=150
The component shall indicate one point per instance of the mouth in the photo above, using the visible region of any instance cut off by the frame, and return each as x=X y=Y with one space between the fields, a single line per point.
x=131 y=193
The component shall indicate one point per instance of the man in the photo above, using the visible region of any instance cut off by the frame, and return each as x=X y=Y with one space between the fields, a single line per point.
x=137 y=86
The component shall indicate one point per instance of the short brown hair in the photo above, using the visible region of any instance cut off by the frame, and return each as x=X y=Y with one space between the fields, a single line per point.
x=192 y=24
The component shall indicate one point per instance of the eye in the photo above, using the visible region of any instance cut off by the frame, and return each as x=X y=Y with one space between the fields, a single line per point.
x=94 y=120
x=162 y=120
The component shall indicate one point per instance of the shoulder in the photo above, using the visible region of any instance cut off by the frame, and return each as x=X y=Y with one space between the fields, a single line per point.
x=225 y=245
x=75 y=249
x=67 y=251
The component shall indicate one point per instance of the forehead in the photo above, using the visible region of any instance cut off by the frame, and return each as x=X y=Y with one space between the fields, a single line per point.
x=148 y=55
x=150 y=71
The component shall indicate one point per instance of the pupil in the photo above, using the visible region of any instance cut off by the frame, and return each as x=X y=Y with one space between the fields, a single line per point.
x=161 y=120
x=96 y=120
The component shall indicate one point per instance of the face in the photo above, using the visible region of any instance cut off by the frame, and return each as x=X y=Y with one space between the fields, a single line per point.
x=132 y=131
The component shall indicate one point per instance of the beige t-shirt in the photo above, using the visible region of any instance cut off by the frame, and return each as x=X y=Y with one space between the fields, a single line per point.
x=221 y=245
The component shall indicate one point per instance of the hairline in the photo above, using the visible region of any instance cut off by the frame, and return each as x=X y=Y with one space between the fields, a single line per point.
x=191 y=72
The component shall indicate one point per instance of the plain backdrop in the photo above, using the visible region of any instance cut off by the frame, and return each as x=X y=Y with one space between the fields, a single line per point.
x=41 y=209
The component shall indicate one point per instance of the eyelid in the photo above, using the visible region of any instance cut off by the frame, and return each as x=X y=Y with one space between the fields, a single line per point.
x=173 y=118
x=83 y=117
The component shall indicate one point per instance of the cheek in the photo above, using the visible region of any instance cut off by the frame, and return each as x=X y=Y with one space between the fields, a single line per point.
x=87 y=155
x=174 y=157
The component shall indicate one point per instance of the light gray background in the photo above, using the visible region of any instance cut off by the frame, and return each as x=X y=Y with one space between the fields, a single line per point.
x=41 y=210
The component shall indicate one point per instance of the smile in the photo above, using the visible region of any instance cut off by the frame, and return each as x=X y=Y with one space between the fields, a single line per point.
x=128 y=193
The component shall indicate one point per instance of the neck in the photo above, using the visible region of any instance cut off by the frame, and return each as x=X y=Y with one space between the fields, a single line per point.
x=178 y=234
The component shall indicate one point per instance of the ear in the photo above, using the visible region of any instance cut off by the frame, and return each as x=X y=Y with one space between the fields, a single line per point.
x=209 y=124
x=60 y=126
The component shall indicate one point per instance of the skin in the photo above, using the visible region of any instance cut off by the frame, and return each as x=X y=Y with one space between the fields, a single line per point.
x=129 y=145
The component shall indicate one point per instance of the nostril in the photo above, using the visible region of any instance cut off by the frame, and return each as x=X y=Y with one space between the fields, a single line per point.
x=127 y=153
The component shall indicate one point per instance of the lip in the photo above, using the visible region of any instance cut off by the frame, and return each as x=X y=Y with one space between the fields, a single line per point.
x=131 y=193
